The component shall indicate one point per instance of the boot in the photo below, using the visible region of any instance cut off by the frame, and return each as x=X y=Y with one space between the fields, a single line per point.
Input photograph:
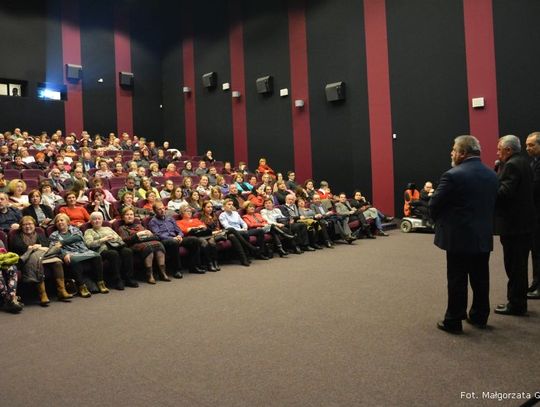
x=13 y=306
x=43 y=299
x=150 y=276
x=216 y=265
x=102 y=287
x=163 y=273
x=281 y=252
x=83 y=291
x=283 y=233
x=62 y=294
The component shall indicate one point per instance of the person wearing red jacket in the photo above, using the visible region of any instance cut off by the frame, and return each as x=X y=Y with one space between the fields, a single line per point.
x=255 y=220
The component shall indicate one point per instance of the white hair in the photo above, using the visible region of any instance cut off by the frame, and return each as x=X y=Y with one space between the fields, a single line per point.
x=512 y=142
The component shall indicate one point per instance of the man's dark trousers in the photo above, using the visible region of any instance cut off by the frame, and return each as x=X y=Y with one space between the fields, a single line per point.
x=461 y=267
x=516 y=257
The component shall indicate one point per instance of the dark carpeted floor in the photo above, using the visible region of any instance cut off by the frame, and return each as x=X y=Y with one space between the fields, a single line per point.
x=353 y=326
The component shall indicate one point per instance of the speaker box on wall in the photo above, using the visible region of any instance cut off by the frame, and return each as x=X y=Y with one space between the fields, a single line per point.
x=209 y=80
x=125 y=79
x=265 y=84
x=73 y=72
x=335 y=91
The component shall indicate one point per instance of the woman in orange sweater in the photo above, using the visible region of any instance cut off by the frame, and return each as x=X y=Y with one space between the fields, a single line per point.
x=255 y=220
x=77 y=214
x=265 y=168
x=195 y=227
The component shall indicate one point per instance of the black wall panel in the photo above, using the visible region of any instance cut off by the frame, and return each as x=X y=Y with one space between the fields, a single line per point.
x=214 y=111
x=517 y=39
x=340 y=131
x=145 y=62
x=266 y=52
x=172 y=77
x=428 y=85
x=23 y=50
x=97 y=51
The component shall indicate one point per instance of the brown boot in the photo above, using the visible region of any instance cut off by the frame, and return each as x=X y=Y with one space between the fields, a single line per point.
x=43 y=299
x=83 y=291
x=63 y=295
x=163 y=273
x=102 y=287
x=150 y=276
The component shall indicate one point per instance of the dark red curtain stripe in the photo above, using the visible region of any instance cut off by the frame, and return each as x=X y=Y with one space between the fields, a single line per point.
x=122 y=61
x=188 y=61
x=481 y=74
x=236 y=44
x=380 y=116
x=299 y=90
x=71 y=54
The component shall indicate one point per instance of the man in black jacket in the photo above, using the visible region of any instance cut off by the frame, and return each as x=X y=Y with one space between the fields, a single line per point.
x=515 y=221
x=462 y=207
x=533 y=149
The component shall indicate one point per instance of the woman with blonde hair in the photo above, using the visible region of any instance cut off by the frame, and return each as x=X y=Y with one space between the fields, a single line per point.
x=16 y=189
x=69 y=240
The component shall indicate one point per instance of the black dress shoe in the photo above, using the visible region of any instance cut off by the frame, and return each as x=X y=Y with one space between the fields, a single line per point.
x=503 y=309
x=196 y=270
x=317 y=246
x=210 y=267
x=119 y=285
x=178 y=274
x=329 y=245
x=297 y=250
x=349 y=239
x=477 y=324
x=451 y=330
x=308 y=249
x=382 y=233
x=534 y=295
x=131 y=283
x=281 y=252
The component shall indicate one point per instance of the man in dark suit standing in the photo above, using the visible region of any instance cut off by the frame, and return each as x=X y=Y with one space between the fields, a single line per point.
x=515 y=222
x=533 y=149
x=462 y=207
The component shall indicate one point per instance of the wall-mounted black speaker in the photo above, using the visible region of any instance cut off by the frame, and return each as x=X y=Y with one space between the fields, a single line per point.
x=209 y=80
x=125 y=79
x=265 y=84
x=73 y=72
x=335 y=91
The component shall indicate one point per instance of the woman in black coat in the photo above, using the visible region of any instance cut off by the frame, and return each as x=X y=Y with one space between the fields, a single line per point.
x=42 y=214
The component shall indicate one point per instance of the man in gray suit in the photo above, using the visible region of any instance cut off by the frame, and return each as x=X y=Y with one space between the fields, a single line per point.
x=462 y=207
x=533 y=149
